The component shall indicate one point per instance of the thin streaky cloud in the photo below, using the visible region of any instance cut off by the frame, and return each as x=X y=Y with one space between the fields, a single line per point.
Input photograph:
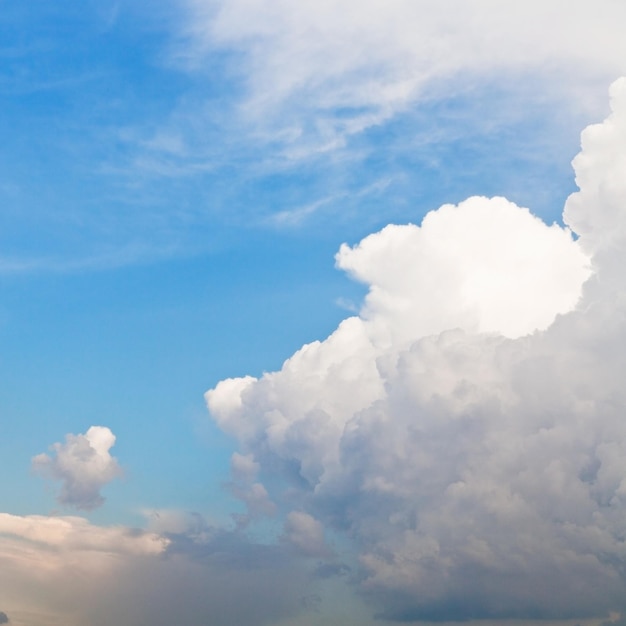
x=333 y=69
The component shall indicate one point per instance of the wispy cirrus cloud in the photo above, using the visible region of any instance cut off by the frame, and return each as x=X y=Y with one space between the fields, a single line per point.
x=239 y=100
x=323 y=71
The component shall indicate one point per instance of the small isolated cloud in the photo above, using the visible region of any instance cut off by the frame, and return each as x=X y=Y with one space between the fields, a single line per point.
x=83 y=464
x=466 y=430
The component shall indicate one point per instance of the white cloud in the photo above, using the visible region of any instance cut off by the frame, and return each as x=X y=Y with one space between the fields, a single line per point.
x=479 y=469
x=83 y=464
x=485 y=265
x=332 y=68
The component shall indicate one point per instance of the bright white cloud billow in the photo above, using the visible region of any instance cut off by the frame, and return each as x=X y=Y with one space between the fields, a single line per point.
x=83 y=464
x=331 y=68
x=53 y=568
x=479 y=467
x=485 y=265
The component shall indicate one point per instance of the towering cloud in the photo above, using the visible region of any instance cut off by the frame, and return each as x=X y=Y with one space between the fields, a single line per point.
x=466 y=429
x=83 y=464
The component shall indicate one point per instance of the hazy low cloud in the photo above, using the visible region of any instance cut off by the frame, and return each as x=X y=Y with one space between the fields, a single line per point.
x=66 y=570
x=76 y=533
x=83 y=464
x=4 y=618
x=466 y=430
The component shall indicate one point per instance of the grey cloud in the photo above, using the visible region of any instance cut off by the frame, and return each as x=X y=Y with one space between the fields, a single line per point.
x=617 y=621
x=311 y=602
x=488 y=508
x=244 y=487
x=478 y=475
x=306 y=535
x=4 y=619
x=222 y=580
x=329 y=570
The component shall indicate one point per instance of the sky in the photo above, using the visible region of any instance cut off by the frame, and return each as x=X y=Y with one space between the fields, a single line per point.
x=312 y=313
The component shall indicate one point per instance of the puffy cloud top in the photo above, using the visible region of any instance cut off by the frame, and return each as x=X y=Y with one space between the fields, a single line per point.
x=478 y=466
x=83 y=464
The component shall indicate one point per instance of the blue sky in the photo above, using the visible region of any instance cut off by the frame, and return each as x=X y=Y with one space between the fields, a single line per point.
x=175 y=182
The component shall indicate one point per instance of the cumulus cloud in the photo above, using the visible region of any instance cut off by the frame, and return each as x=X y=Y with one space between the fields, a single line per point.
x=83 y=464
x=4 y=619
x=466 y=430
x=332 y=68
